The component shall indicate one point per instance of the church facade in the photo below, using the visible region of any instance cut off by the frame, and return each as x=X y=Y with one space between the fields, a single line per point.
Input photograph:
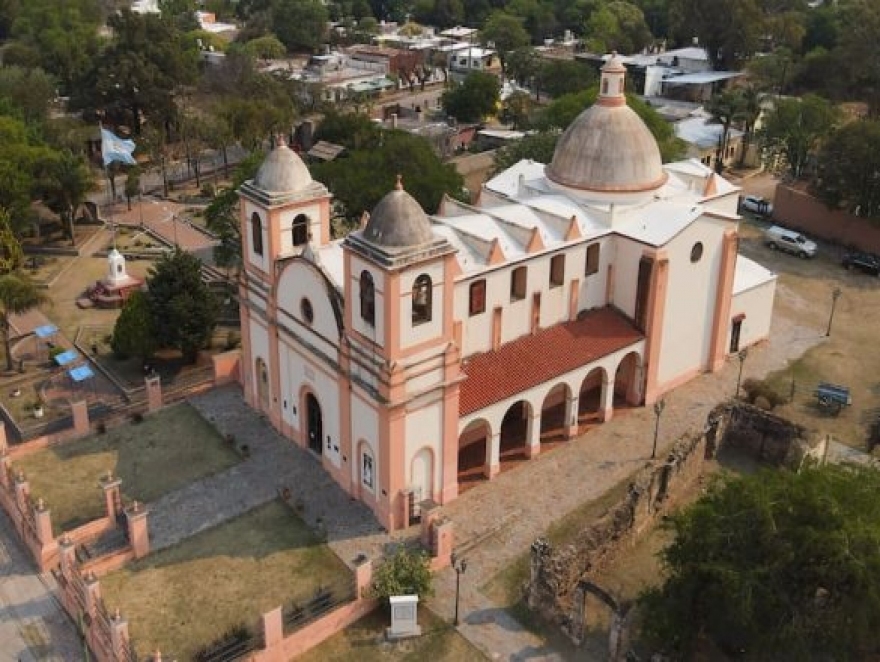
x=421 y=354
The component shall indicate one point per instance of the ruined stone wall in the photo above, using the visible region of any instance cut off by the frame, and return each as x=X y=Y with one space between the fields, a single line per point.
x=555 y=589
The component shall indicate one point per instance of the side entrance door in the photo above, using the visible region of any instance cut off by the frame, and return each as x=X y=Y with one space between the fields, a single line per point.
x=315 y=424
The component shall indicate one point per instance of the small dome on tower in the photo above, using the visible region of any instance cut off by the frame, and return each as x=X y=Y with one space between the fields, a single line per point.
x=608 y=148
x=398 y=221
x=282 y=172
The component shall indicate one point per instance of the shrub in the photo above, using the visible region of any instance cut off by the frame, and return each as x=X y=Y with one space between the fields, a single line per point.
x=756 y=388
x=207 y=190
x=233 y=340
x=763 y=403
x=408 y=572
x=137 y=417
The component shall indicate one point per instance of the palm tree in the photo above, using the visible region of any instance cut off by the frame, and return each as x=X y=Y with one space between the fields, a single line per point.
x=18 y=294
x=68 y=181
x=725 y=110
x=750 y=111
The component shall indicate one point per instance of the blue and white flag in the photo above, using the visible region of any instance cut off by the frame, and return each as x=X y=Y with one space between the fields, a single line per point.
x=114 y=148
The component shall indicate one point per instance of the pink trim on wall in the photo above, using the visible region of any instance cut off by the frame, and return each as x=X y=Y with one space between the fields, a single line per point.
x=723 y=299
x=656 y=312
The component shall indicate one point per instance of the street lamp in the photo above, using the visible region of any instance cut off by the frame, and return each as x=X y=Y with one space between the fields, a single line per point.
x=742 y=359
x=659 y=406
x=459 y=565
x=835 y=295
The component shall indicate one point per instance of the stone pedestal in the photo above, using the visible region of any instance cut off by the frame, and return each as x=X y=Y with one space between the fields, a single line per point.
x=154 y=392
x=138 y=534
x=404 y=617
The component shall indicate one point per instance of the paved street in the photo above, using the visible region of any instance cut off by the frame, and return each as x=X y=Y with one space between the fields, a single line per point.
x=33 y=626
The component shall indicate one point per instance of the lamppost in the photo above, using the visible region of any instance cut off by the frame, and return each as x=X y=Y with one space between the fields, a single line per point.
x=742 y=359
x=459 y=565
x=835 y=295
x=659 y=406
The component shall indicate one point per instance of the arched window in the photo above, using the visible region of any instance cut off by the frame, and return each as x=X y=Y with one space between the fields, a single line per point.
x=604 y=86
x=300 y=230
x=368 y=298
x=257 y=234
x=421 y=300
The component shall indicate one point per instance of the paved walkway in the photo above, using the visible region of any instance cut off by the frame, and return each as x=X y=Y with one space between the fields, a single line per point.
x=274 y=463
x=33 y=625
x=165 y=218
x=570 y=475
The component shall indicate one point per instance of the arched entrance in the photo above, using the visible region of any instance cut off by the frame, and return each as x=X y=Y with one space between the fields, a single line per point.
x=421 y=475
x=314 y=424
x=261 y=374
x=514 y=434
x=590 y=397
x=553 y=423
x=472 y=451
x=627 y=390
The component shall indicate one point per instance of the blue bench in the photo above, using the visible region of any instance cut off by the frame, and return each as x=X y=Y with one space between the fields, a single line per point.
x=833 y=397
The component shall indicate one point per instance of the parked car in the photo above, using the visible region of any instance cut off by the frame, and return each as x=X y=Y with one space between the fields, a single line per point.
x=757 y=205
x=778 y=238
x=866 y=262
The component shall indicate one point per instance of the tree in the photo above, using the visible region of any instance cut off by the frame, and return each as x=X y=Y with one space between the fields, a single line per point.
x=776 y=565
x=617 y=25
x=558 y=77
x=182 y=306
x=221 y=215
x=18 y=295
x=794 y=130
x=408 y=572
x=300 y=24
x=11 y=254
x=727 y=29
x=537 y=147
x=749 y=112
x=725 y=110
x=505 y=32
x=267 y=47
x=353 y=131
x=132 y=184
x=28 y=91
x=67 y=182
x=848 y=166
x=134 y=333
x=359 y=180
x=517 y=109
x=473 y=99
x=523 y=64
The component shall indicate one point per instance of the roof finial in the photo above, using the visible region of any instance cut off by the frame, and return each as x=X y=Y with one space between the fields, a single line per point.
x=399 y=184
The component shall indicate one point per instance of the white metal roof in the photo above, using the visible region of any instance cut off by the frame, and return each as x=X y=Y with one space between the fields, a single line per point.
x=749 y=274
x=702 y=133
x=701 y=78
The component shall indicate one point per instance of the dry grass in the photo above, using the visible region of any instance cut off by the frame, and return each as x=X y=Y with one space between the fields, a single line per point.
x=169 y=450
x=365 y=641
x=184 y=597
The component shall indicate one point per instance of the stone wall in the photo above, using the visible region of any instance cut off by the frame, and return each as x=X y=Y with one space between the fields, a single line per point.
x=557 y=583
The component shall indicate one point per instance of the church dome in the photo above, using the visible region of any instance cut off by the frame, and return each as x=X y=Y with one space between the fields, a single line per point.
x=282 y=172
x=608 y=148
x=398 y=221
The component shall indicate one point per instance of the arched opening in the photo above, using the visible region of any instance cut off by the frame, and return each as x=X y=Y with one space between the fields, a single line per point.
x=553 y=423
x=261 y=373
x=472 y=451
x=366 y=468
x=514 y=434
x=368 y=298
x=627 y=390
x=300 y=230
x=590 y=398
x=314 y=424
x=422 y=295
x=256 y=234
x=421 y=476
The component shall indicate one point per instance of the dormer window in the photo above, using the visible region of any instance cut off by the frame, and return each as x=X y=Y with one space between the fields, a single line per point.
x=421 y=300
x=257 y=234
x=368 y=298
x=300 y=230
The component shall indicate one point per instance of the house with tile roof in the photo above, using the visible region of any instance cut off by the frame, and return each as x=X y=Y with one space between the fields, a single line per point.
x=421 y=354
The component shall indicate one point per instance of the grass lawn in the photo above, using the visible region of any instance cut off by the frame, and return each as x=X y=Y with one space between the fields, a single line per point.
x=365 y=641
x=167 y=451
x=184 y=597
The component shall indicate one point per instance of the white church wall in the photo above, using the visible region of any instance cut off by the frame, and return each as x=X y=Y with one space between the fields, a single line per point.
x=364 y=428
x=424 y=428
x=259 y=261
x=726 y=204
x=377 y=332
x=627 y=254
x=313 y=212
x=757 y=306
x=690 y=300
x=300 y=281
x=259 y=350
x=428 y=377
x=476 y=331
x=593 y=288
x=413 y=335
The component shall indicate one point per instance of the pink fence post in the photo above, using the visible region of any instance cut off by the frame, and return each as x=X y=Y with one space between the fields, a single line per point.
x=118 y=634
x=112 y=498
x=273 y=628
x=67 y=552
x=154 y=392
x=363 y=577
x=5 y=462
x=80 y=411
x=138 y=535
x=444 y=541
x=93 y=593
x=4 y=444
x=43 y=521
x=22 y=490
x=429 y=517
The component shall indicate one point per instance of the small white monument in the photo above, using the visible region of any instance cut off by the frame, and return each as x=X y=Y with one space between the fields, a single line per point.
x=404 y=617
x=115 y=287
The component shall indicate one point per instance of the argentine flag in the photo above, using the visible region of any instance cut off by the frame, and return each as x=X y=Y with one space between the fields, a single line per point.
x=114 y=148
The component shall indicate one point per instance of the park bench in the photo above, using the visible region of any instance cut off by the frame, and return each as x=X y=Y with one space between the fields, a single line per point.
x=833 y=397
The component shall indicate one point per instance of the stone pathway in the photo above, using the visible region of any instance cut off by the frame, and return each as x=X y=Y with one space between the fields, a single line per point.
x=274 y=463
x=542 y=490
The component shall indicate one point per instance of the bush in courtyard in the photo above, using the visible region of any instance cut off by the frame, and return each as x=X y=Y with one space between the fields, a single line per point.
x=408 y=572
x=756 y=388
x=134 y=333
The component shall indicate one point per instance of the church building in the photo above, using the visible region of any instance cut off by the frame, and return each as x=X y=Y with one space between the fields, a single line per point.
x=421 y=354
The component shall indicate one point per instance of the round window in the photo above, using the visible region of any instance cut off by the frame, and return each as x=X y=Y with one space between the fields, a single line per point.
x=305 y=308
x=697 y=252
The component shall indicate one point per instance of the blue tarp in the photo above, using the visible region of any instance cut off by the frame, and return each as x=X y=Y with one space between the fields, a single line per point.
x=66 y=357
x=45 y=331
x=81 y=373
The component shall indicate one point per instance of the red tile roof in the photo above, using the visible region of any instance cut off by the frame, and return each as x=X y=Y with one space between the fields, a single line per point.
x=535 y=359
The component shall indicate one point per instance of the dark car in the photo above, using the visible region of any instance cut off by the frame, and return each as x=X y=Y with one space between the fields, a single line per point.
x=866 y=262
